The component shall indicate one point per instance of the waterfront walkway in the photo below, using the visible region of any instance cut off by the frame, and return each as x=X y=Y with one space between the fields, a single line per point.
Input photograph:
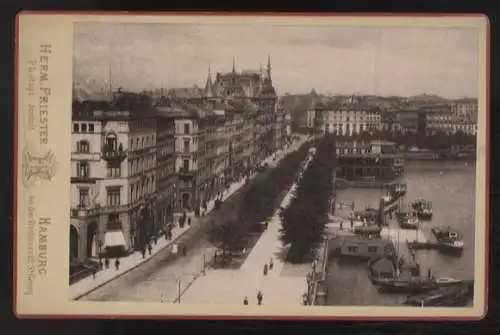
x=223 y=286
x=135 y=259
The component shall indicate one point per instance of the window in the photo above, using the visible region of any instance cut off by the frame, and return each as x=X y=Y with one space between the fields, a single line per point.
x=84 y=127
x=111 y=142
x=91 y=128
x=186 y=165
x=113 y=196
x=186 y=145
x=83 y=146
x=186 y=128
x=372 y=249
x=114 y=222
x=84 y=199
x=132 y=188
x=352 y=249
x=114 y=169
x=76 y=127
x=83 y=169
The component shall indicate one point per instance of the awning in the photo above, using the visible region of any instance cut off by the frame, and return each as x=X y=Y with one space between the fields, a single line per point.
x=114 y=239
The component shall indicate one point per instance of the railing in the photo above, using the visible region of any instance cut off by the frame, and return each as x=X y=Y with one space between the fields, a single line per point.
x=88 y=156
x=113 y=154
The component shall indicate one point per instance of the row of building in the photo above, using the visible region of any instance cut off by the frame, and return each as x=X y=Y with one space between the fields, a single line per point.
x=165 y=155
x=354 y=115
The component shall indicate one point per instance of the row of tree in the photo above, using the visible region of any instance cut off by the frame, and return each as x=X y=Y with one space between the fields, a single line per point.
x=258 y=203
x=303 y=221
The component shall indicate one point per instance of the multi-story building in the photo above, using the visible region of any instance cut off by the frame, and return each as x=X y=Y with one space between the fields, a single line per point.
x=412 y=121
x=113 y=167
x=438 y=118
x=465 y=127
x=390 y=121
x=166 y=176
x=465 y=110
x=347 y=118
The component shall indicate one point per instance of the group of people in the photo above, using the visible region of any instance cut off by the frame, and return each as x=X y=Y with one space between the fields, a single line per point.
x=260 y=296
x=105 y=265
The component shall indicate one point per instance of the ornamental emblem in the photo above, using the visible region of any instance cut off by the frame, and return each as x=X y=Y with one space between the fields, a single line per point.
x=38 y=167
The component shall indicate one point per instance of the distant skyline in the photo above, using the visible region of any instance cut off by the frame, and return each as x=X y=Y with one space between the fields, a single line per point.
x=334 y=60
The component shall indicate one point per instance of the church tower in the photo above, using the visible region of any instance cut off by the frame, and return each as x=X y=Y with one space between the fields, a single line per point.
x=209 y=89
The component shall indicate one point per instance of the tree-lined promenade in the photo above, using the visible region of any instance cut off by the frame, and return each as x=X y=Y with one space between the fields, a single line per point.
x=256 y=207
x=304 y=219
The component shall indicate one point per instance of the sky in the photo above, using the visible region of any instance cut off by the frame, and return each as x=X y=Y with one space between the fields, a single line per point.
x=332 y=60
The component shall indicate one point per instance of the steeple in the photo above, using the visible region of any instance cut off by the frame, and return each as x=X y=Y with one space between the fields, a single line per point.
x=209 y=84
x=110 y=82
x=269 y=67
x=234 y=66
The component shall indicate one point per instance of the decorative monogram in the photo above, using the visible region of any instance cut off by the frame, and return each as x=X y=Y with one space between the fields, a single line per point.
x=38 y=167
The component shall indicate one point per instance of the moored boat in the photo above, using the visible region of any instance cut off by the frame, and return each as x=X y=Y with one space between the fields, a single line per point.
x=454 y=295
x=448 y=240
x=408 y=220
x=416 y=286
x=423 y=209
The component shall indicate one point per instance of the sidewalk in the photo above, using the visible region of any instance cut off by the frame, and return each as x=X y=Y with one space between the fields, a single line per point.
x=231 y=286
x=135 y=259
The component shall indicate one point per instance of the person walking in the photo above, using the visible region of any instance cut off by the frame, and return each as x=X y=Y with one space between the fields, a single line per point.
x=259 y=298
x=271 y=264
x=245 y=301
x=265 y=269
x=143 y=252
x=117 y=264
x=106 y=263
x=150 y=249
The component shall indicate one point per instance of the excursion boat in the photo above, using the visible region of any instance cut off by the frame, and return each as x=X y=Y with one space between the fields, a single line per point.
x=448 y=296
x=423 y=209
x=408 y=220
x=448 y=240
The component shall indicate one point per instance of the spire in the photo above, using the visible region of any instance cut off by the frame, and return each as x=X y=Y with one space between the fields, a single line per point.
x=234 y=66
x=209 y=84
x=269 y=67
x=161 y=89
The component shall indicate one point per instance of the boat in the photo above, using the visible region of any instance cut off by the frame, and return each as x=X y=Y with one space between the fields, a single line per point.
x=381 y=268
x=423 y=209
x=398 y=190
x=448 y=240
x=388 y=199
x=408 y=220
x=359 y=247
x=455 y=295
x=417 y=286
x=368 y=230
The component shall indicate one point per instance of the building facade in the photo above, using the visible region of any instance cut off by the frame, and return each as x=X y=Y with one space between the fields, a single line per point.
x=347 y=118
x=465 y=110
x=113 y=174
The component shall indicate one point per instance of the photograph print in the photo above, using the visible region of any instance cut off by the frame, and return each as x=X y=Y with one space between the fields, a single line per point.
x=276 y=165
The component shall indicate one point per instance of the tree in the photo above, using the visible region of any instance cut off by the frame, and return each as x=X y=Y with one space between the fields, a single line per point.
x=303 y=221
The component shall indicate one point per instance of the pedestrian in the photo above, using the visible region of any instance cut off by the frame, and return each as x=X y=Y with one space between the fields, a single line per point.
x=117 y=264
x=429 y=273
x=265 y=270
x=184 y=250
x=259 y=298
x=106 y=263
x=304 y=299
x=143 y=251
x=271 y=264
x=150 y=249
x=189 y=221
x=100 y=264
x=155 y=240
x=170 y=234
x=93 y=272
x=245 y=301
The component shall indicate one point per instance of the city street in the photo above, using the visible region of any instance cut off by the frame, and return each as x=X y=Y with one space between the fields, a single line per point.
x=167 y=274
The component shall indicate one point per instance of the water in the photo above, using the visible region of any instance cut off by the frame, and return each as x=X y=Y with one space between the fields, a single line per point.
x=450 y=186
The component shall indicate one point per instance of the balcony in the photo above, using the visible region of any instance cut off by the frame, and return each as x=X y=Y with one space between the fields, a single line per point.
x=98 y=210
x=184 y=172
x=86 y=156
x=110 y=154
